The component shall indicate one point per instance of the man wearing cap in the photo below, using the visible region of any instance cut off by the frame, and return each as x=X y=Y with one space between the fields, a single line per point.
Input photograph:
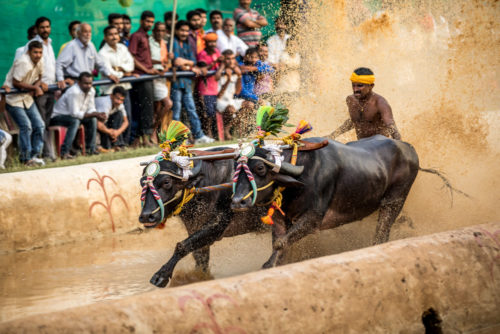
x=370 y=113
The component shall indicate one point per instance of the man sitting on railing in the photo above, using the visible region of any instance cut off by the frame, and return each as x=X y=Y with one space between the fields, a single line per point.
x=26 y=74
x=77 y=106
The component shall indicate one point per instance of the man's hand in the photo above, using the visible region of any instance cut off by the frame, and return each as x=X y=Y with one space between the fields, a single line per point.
x=61 y=84
x=113 y=78
x=197 y=70
x=38 y=91
x=102 y=117
x=44 y=86
x=7 y=88
x=153 y=71
x=229 y=72
x=237 y=71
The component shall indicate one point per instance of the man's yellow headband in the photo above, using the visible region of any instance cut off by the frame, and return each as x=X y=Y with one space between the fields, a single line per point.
x=364 y=79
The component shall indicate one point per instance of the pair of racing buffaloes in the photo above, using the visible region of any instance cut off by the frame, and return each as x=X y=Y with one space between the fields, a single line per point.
x=295 y=186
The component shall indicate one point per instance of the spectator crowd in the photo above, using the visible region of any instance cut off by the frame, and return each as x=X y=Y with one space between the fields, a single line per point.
x=248 y=73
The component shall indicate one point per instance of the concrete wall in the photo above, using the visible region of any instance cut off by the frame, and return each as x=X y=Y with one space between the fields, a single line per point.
x=381 y=289
x=58 y=205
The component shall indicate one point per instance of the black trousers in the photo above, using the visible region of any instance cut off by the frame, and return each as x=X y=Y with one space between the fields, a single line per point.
x=114 y=122
x=141 y=95
x=45 y=105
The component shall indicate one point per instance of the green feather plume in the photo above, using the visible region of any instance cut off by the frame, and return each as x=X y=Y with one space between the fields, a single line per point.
x=174 y=136
x=271 y=119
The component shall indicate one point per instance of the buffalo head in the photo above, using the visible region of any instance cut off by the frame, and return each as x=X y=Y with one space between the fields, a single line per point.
x=267 y=175
x=168 y=187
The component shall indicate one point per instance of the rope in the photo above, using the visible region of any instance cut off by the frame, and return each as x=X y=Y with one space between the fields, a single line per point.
x=242 y=163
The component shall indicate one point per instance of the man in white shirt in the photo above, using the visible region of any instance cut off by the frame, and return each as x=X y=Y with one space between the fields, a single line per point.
x=227 y=40
x=277 y=43
x=77 y=106
x=215 y=21
x=117 y=122
x=117 y=57
x=80 y=56
x=26 y=74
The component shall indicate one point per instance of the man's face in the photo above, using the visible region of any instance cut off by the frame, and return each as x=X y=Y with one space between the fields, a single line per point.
x=44 y=29
x=182 y=33
x=168 y=24
x=229 y=60
x=35 y=54
x=211 y=45
x=147 y=23
x=195 y=22
x=245 y=3
x=360 y=90
x=280 y=27
x=228 y=27
x=117 y=99
x=112 y=37
x=263 y=52
x=127 y=25
x=159 y=32
x=216 y=22
x=85 y=33
x=252 y=58
x=85 y=84
x=118 y=23
x=203 y=20
x=74 y=29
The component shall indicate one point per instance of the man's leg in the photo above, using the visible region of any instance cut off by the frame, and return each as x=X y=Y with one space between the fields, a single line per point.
x=128 y=108
x=176 y=96
x=147 y=110
x=90 y=125
x=115 y=121
x=187 y=100
x=45 y=105
x=21 y=118
x=71 y=124
x=38 y=129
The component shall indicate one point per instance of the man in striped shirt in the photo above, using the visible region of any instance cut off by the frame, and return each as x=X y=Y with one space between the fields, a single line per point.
x=248 y=23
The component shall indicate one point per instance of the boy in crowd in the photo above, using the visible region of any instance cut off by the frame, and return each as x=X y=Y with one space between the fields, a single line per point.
x=208 y=86
x=127 y=27
x=77 y=106
x=195 y=37
x=26 y=74
x=251 y=67
x=116 y=122
x=228 y=77
x=120 y=61
x=264 y=84
x=182 y=94
x=248 y=23
x=167 y=18
x=73 y=32
x=159 y=55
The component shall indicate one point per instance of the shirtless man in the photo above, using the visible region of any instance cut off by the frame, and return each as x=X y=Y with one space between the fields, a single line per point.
x=370 y=113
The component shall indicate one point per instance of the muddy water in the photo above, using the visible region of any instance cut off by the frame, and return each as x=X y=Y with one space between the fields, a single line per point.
x=57 y=278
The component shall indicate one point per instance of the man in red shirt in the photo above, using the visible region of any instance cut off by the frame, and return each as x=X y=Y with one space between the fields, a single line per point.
x=210 y=57
x=142 y=92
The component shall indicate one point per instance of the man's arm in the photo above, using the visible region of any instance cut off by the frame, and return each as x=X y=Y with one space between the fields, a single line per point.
x=133 y=48
x=62 y=62
x=346 y=126
x=387 y=117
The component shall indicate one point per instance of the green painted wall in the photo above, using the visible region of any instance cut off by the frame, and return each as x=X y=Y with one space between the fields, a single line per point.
x=20 y=14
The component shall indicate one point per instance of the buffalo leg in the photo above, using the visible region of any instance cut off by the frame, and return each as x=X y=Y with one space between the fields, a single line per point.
x=387 y=215
x=279 y=231
x=202 y=258
x=304 y=226
x=204 y=237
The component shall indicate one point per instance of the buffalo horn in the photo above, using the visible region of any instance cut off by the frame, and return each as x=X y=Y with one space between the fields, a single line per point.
x=196 y=169
x=291 y=170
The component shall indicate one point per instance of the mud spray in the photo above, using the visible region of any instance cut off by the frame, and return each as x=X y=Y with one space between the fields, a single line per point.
x=437 y=64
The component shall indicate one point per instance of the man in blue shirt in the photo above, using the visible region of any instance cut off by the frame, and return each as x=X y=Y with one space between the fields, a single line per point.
x=182 y=91
x=251 y=67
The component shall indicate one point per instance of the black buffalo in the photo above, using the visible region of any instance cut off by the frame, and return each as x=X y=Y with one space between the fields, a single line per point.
x=341 y=183
x=207 y=217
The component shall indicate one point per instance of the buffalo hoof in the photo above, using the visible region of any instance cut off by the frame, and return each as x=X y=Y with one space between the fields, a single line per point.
x=159 y=280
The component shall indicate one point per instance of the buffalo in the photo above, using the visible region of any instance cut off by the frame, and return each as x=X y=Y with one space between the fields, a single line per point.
x=207 y=216
x=339 y=184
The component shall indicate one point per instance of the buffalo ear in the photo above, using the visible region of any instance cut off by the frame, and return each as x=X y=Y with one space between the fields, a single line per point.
x=287 y=181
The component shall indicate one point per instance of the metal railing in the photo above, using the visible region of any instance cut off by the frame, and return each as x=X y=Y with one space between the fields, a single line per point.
x=144 y=77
